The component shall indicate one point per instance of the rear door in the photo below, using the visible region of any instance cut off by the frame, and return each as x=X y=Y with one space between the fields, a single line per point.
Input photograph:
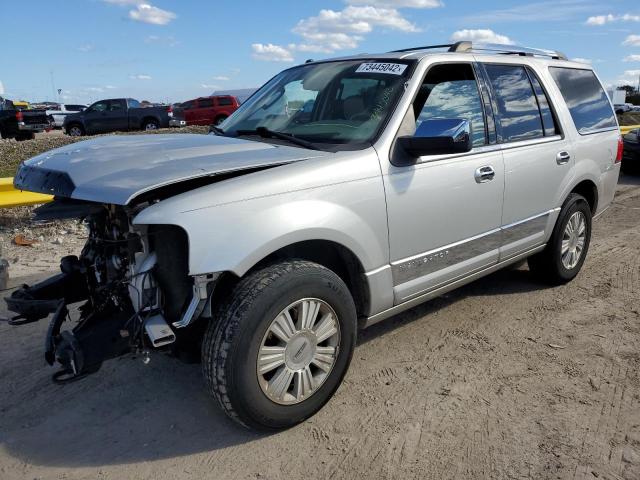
x=189 y=111
x=537 y=156
x=118 y=119
x=206 y=111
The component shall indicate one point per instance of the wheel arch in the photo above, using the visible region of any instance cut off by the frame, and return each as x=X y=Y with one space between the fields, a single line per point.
x=149 y=118
x=589 y=190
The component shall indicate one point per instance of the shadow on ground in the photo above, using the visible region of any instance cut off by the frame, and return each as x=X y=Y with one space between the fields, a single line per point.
x=129 y=412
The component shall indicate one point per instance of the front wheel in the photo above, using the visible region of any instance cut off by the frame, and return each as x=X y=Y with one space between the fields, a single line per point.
x=75 y=131
x=567 y=249
x=278 y=348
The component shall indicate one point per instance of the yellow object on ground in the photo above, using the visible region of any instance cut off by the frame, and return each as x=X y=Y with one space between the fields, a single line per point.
x=624 y=129
x=10 y=197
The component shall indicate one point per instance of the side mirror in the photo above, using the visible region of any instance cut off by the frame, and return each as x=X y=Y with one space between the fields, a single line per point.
x=438 y=137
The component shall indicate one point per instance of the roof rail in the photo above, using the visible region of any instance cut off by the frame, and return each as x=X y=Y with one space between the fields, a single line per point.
x=492 y=47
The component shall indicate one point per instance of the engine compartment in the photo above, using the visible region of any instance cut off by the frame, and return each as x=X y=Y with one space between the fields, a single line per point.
x=121 y=291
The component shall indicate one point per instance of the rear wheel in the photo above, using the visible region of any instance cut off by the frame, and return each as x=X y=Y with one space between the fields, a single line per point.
x=218 y=120
x=150 y=125
x=567 y=249
x=280 y=346
x=75 y=130
x=22 y=136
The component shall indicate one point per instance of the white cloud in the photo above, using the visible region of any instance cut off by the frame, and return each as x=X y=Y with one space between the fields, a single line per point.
x=398 y=3
x=124 y=2
x=140 y=77
x=221 y=78
x=480 y=36
x=630 y=77
x=147 y=13
x=110 y=87
x=157 y=39
x=94 y=89
x=333 y=30
x=632 y=58
x=552 y=10
x=582 y=60
x=610 y=18
x=209 y=86
x=1 y=89
x=271 y=53
x=87 y=47
x=632 y=41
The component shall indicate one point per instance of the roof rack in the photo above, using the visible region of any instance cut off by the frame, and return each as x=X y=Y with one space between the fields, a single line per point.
x=492 y=47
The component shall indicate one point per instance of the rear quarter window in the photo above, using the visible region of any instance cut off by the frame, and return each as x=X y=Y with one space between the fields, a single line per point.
x=587 y=101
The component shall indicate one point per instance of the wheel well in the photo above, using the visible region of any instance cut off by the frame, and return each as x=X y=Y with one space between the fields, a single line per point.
x=146 y=120
x=331 y=255
x=74 y=124
x=589 y=191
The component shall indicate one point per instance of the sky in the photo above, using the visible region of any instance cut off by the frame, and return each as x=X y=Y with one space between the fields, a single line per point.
x=175 y=50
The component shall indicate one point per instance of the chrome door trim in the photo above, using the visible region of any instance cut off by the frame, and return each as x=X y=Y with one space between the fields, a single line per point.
x=425 y=263
x=373 y=319
x=419 y=265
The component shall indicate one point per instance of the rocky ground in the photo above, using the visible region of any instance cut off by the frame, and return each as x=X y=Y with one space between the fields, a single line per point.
x=504 y=378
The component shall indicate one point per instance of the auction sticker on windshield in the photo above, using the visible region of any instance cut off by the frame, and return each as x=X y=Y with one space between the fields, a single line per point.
x=390 y=68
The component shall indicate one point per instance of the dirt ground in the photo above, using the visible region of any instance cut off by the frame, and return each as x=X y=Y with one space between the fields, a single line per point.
x=504 y=378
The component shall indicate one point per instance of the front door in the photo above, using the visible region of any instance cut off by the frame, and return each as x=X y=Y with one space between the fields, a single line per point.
x=445 y=211
x=95 y=116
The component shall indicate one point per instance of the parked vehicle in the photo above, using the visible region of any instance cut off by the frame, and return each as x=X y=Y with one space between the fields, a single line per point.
x=58 y=114
x=631 y=155
x=209 y=110
x=263 y=246
x=621 y=108
x=21 y=124
x=120 y=114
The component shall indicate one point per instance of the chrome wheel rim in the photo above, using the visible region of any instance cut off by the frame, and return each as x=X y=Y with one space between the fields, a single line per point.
x=75 y=132
x=573 y=240
x=150 y=126
x=298 y=351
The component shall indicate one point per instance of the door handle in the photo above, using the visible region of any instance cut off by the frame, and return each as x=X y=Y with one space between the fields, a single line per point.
x=562 y=158
x=484 y=174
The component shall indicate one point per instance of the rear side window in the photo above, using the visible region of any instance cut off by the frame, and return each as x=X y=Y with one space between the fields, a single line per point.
x=205 y=103
x=224 y=101
x=548 y=121
x=188 y=105
x=518 y=112
x=585 y=98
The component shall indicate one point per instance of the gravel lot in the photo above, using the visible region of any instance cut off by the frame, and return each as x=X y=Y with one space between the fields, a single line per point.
x=504 y=378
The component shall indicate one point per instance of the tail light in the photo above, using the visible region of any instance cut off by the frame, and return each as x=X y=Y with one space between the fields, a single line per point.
x=19 y=116
x=620 y=150
x=170 y=110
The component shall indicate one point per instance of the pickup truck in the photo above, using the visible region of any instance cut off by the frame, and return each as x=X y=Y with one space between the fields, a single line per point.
x=209 y=110
x=21 y=124
x=120 y=114
x=57 y=115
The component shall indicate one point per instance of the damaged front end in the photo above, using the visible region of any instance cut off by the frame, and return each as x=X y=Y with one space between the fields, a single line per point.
x=129 y=291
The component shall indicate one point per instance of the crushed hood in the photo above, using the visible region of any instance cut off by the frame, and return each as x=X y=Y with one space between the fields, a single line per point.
x=116 y=169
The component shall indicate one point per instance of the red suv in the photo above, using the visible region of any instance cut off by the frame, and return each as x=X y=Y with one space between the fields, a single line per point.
x=209 y=110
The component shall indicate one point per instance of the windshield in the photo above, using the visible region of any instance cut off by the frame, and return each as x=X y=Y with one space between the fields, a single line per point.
x=340 y=103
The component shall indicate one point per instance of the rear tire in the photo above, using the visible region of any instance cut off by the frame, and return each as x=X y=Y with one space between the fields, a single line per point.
x=246 y=331
x=218 y=120
x=568 y=246
x=22 y=136
x=150 y=125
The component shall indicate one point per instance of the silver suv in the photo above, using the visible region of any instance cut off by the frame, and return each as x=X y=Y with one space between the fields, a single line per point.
x=341 y=193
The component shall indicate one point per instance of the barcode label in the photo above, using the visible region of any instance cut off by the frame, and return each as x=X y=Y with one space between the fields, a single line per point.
x=390 y=68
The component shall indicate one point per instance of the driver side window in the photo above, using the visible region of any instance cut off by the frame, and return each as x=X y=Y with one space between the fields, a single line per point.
x=450 y=91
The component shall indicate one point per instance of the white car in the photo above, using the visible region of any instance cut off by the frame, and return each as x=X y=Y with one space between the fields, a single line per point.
x=57 y=116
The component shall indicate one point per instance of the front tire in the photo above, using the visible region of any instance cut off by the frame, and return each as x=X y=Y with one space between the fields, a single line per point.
x=75 y=130
x=567 y=249
x=278 y=348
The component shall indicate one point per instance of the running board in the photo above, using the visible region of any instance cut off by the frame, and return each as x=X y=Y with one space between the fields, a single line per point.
x=378 y=317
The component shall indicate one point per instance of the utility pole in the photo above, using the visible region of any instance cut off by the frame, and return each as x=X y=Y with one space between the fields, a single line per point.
x=53 y=86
